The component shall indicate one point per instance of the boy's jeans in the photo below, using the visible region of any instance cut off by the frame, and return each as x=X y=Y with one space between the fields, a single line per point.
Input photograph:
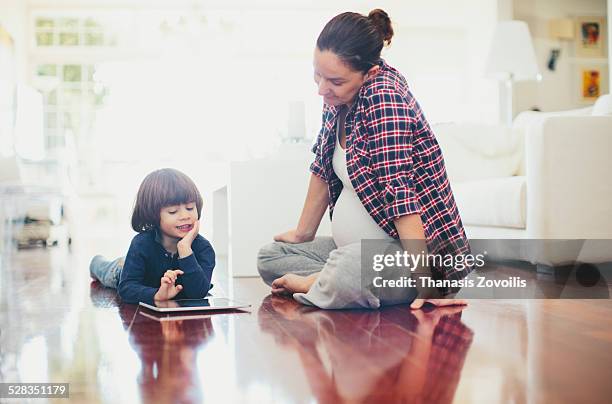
x=107 y=272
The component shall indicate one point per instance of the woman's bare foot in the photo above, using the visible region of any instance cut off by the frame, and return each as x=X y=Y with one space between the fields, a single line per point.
x=290 y=283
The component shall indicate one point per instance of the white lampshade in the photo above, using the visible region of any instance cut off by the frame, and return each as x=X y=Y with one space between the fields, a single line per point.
x=511 y=54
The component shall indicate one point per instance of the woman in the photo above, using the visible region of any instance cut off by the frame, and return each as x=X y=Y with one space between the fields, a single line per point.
x=378 y=168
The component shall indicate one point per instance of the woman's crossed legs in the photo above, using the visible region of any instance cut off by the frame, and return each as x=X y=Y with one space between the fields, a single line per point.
x=321 y=274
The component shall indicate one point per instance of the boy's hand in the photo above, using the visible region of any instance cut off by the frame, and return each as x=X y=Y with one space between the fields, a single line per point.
x=168 y=288
x=184 y=246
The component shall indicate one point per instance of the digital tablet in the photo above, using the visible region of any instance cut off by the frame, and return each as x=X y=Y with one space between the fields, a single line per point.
x=210 y=303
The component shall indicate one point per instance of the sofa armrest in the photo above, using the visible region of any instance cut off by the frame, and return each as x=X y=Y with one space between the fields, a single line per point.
x=568 y=165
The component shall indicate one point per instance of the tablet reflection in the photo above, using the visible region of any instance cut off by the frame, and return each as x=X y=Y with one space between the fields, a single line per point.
x=390 y=355
x=167 y=348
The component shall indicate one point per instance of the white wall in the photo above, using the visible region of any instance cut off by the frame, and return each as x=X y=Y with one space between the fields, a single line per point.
x=12 y=68
x=558 y=90
x=441 y=47
x=13 y=19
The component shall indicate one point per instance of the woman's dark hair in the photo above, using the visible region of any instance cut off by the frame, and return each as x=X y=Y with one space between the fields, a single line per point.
x=357 y=39
x=161 y=188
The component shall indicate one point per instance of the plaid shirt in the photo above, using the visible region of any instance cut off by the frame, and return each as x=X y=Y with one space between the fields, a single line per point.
x=395 y=165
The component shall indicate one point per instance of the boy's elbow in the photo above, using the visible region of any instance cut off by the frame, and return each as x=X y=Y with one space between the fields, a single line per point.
x=126 y=294
x=129 y=299
x=125 y=297
x=121 y=289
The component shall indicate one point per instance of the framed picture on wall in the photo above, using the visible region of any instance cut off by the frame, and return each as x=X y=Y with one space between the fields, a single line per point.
x=591 y=37
x=592 y=82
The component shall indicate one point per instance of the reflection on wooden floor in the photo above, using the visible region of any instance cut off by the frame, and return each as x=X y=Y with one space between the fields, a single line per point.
x=59 y=326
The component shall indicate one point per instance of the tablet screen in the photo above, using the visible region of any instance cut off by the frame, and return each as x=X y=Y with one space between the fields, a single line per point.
x=200 y=302
x=218 y=302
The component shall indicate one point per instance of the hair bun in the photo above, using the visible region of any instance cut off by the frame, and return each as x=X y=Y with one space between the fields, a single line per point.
x=382 y=22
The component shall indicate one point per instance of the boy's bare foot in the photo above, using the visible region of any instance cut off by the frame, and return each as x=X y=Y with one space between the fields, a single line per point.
x=290 y=283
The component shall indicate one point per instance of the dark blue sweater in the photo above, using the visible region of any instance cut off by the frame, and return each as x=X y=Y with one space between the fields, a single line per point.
x=147 y=261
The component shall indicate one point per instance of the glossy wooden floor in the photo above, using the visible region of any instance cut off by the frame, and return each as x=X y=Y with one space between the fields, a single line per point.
x=58 y=326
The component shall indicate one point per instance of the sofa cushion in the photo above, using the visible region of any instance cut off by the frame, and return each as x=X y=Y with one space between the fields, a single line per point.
x=499 y=202
x=477 y=151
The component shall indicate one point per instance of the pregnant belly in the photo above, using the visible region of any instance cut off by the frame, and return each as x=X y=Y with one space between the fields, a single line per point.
x=351 y=222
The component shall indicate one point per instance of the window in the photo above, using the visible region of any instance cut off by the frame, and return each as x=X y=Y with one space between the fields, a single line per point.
x=71 y=95
x=70 y=105
x=74 y=31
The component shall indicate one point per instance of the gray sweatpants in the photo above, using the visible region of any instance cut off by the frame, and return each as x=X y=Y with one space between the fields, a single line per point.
x=342 y=282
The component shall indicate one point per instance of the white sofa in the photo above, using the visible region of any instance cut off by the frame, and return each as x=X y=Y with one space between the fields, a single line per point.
x=546 y=178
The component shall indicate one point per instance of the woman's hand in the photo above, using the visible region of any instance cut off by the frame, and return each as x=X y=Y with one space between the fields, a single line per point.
x=168 y=288
x=184 y=246
x=293 y=237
